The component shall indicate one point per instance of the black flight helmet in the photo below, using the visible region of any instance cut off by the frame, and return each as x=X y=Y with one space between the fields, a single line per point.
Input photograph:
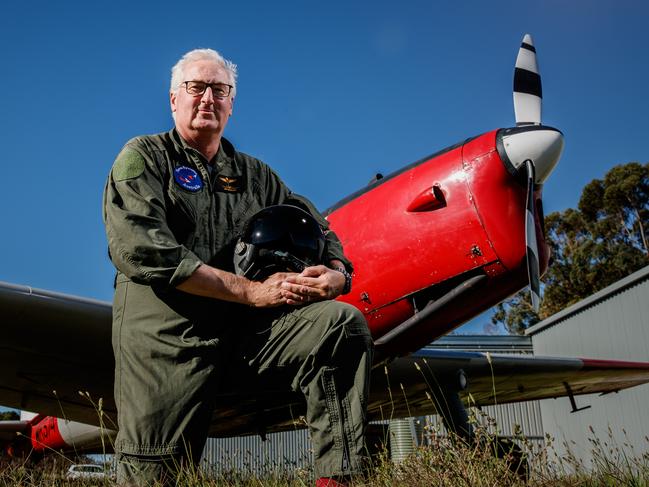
x=278 y=238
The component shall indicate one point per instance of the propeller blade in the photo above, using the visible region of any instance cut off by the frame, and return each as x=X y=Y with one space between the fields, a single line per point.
x=527 y=85
x=532 y=252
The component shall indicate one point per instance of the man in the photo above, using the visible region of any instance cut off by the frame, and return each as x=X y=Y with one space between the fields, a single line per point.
x=173 y=206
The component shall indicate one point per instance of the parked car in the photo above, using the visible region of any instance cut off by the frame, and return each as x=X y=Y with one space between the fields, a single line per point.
x=87 y=471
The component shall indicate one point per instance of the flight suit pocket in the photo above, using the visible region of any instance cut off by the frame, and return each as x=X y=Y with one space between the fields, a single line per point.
x=356 y=328
x=247 y=206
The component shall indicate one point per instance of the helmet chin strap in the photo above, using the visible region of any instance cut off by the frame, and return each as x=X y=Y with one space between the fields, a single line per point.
x=283 y=259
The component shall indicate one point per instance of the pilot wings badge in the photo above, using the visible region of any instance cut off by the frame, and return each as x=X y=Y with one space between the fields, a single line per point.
x=229 y=184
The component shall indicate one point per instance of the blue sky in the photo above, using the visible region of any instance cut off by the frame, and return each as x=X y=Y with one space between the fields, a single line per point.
x=329 y=94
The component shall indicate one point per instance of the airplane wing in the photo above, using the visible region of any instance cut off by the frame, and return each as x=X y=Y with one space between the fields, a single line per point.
x=496 y=378
x=52 y=347
x=57 y=359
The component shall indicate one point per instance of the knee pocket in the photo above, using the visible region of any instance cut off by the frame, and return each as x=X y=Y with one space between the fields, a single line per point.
x=352 y=320
x=145 y=470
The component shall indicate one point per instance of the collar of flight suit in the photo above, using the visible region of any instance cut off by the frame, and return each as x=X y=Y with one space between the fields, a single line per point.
x=223 y=162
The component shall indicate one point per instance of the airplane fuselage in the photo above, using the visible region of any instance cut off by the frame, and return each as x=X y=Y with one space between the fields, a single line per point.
x=411 y=235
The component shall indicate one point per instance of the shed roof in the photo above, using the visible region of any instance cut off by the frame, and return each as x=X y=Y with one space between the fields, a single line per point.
x=491 y=343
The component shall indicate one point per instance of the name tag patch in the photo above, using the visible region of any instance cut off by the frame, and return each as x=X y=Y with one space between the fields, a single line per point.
x=188 y=178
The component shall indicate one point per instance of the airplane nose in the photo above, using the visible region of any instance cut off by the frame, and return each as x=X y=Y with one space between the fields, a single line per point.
x=543 y=145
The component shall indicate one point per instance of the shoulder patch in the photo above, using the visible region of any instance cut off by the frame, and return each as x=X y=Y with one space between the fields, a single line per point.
x=128 y=165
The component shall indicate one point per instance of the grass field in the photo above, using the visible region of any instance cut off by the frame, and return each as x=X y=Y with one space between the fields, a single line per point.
x=441 y=463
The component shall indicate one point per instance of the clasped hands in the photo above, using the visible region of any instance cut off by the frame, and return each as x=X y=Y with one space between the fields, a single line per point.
x=316 y=283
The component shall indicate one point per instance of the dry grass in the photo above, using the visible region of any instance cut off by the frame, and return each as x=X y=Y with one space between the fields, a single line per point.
x=444 y=461
x=441 y=463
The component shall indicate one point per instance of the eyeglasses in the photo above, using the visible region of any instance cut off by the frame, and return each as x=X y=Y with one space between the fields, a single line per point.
x=197 y=88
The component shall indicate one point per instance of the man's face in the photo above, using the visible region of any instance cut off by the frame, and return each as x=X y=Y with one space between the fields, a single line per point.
x=196 y=115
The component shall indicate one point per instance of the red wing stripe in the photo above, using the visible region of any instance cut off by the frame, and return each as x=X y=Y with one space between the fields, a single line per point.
x=613 y=364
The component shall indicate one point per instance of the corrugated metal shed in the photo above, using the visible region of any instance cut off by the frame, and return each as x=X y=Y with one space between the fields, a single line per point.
x=611 y=324
x=484 y=343
x=249 y=454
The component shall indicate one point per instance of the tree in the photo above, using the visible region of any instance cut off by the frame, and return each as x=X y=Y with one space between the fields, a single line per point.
x=9 y=416
x=601 y=242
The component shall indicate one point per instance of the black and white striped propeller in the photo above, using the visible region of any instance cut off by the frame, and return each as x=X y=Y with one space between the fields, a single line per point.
x=527 y=109
x=532 y=252
x=530 y=148
x=527 y=85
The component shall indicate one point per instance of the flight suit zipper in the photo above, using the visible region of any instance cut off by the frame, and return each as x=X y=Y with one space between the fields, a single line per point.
x=345 y=465
x=207 y=182
x=338 y=417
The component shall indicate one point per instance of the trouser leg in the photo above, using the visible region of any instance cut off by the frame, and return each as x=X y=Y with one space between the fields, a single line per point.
x=325 y=351
x=167 y=371
x=161 y=470
x=144 y=471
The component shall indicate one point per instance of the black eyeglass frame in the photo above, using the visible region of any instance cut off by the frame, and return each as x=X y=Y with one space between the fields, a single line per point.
x=213 y=86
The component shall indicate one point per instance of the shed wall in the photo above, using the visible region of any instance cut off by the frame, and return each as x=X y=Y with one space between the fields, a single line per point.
x=249 y=454
x=614 y=326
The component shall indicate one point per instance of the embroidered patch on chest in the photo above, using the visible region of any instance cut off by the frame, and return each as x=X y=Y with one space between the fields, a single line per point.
x=188 y=178
x=229 y=184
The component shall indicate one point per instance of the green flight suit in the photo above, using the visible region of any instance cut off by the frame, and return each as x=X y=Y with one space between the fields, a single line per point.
x=166 y=213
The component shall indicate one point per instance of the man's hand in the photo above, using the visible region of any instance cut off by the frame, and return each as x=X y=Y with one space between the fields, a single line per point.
x=270 y=293
x=317 y=283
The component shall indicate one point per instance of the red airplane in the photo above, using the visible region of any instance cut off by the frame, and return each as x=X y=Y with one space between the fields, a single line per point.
x=41 y=434
x=434 y=244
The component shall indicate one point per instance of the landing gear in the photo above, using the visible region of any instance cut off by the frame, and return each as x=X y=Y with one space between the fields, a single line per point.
x=456 y=420
x=450 y=407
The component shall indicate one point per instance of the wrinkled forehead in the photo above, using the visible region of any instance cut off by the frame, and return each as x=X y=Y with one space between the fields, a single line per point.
x=207 y=71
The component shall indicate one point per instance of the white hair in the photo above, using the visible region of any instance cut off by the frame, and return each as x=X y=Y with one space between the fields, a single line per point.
x=177 y=72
